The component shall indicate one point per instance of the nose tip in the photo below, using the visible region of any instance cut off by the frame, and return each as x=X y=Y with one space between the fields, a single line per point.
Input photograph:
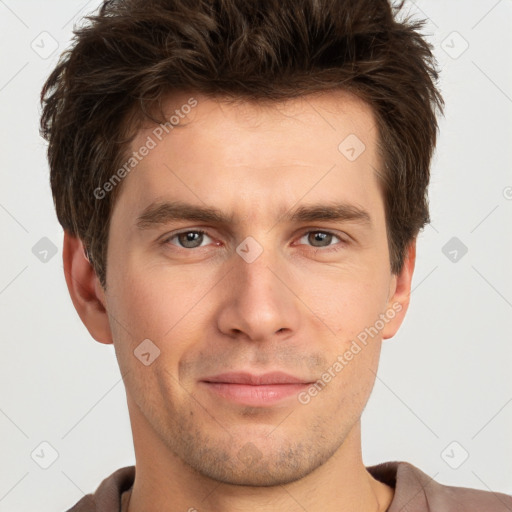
x=257 y=305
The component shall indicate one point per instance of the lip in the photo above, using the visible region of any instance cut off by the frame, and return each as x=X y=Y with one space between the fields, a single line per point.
x=256 y=380
x=255 y=390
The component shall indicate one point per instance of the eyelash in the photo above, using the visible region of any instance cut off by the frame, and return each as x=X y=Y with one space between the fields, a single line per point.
x=328 y=248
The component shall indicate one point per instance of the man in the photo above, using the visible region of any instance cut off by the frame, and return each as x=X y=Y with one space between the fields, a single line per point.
x=241 y=185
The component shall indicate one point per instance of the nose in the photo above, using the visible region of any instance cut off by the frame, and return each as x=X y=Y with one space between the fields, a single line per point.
x=258 y=301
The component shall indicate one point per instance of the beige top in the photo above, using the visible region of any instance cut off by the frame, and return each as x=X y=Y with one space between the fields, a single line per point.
x=414 y=492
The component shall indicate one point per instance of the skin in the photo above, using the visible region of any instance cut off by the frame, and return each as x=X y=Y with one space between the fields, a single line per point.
x=295 y=308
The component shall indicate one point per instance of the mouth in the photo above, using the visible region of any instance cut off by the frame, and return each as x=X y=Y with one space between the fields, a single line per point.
x=255 y=390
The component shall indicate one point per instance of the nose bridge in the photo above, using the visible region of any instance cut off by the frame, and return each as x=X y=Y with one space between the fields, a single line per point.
x=258 y=303
x=256 y=266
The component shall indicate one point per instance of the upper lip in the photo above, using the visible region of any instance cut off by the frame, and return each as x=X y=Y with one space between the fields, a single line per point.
x=256 y=380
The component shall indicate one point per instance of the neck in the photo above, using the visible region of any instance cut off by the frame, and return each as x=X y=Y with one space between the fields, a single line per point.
x=163 y=482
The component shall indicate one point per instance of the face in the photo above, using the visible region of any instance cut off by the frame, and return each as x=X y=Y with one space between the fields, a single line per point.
x=291 y=275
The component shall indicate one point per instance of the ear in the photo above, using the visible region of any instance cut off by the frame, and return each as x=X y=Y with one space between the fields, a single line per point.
x=400 y=293
x=85 y=289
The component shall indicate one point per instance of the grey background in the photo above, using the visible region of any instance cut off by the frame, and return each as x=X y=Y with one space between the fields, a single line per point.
x=443 y=391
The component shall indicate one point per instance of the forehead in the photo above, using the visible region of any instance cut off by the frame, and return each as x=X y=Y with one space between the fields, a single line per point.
x=215 y=151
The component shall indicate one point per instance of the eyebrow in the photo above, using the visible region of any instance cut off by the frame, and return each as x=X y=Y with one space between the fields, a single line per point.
x=160 y=213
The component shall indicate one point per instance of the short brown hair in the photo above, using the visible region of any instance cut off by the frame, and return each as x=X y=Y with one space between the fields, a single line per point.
x=133 y=53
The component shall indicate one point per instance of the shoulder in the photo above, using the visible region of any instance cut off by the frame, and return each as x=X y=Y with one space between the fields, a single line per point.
x=415 y=490
x=107 y=497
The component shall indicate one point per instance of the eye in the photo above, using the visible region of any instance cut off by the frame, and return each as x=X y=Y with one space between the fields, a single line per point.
x=187 y=239
x=193 y=239
x=320 y=239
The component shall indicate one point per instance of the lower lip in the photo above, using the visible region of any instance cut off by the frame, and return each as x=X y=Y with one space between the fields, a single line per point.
x=255 y=396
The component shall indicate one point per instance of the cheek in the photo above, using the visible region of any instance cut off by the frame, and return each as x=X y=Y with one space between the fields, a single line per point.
x=346 y=302
x=152 y=301
x=342 y=390
x=146 y=307
x=163 y=305
x=358 y=378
